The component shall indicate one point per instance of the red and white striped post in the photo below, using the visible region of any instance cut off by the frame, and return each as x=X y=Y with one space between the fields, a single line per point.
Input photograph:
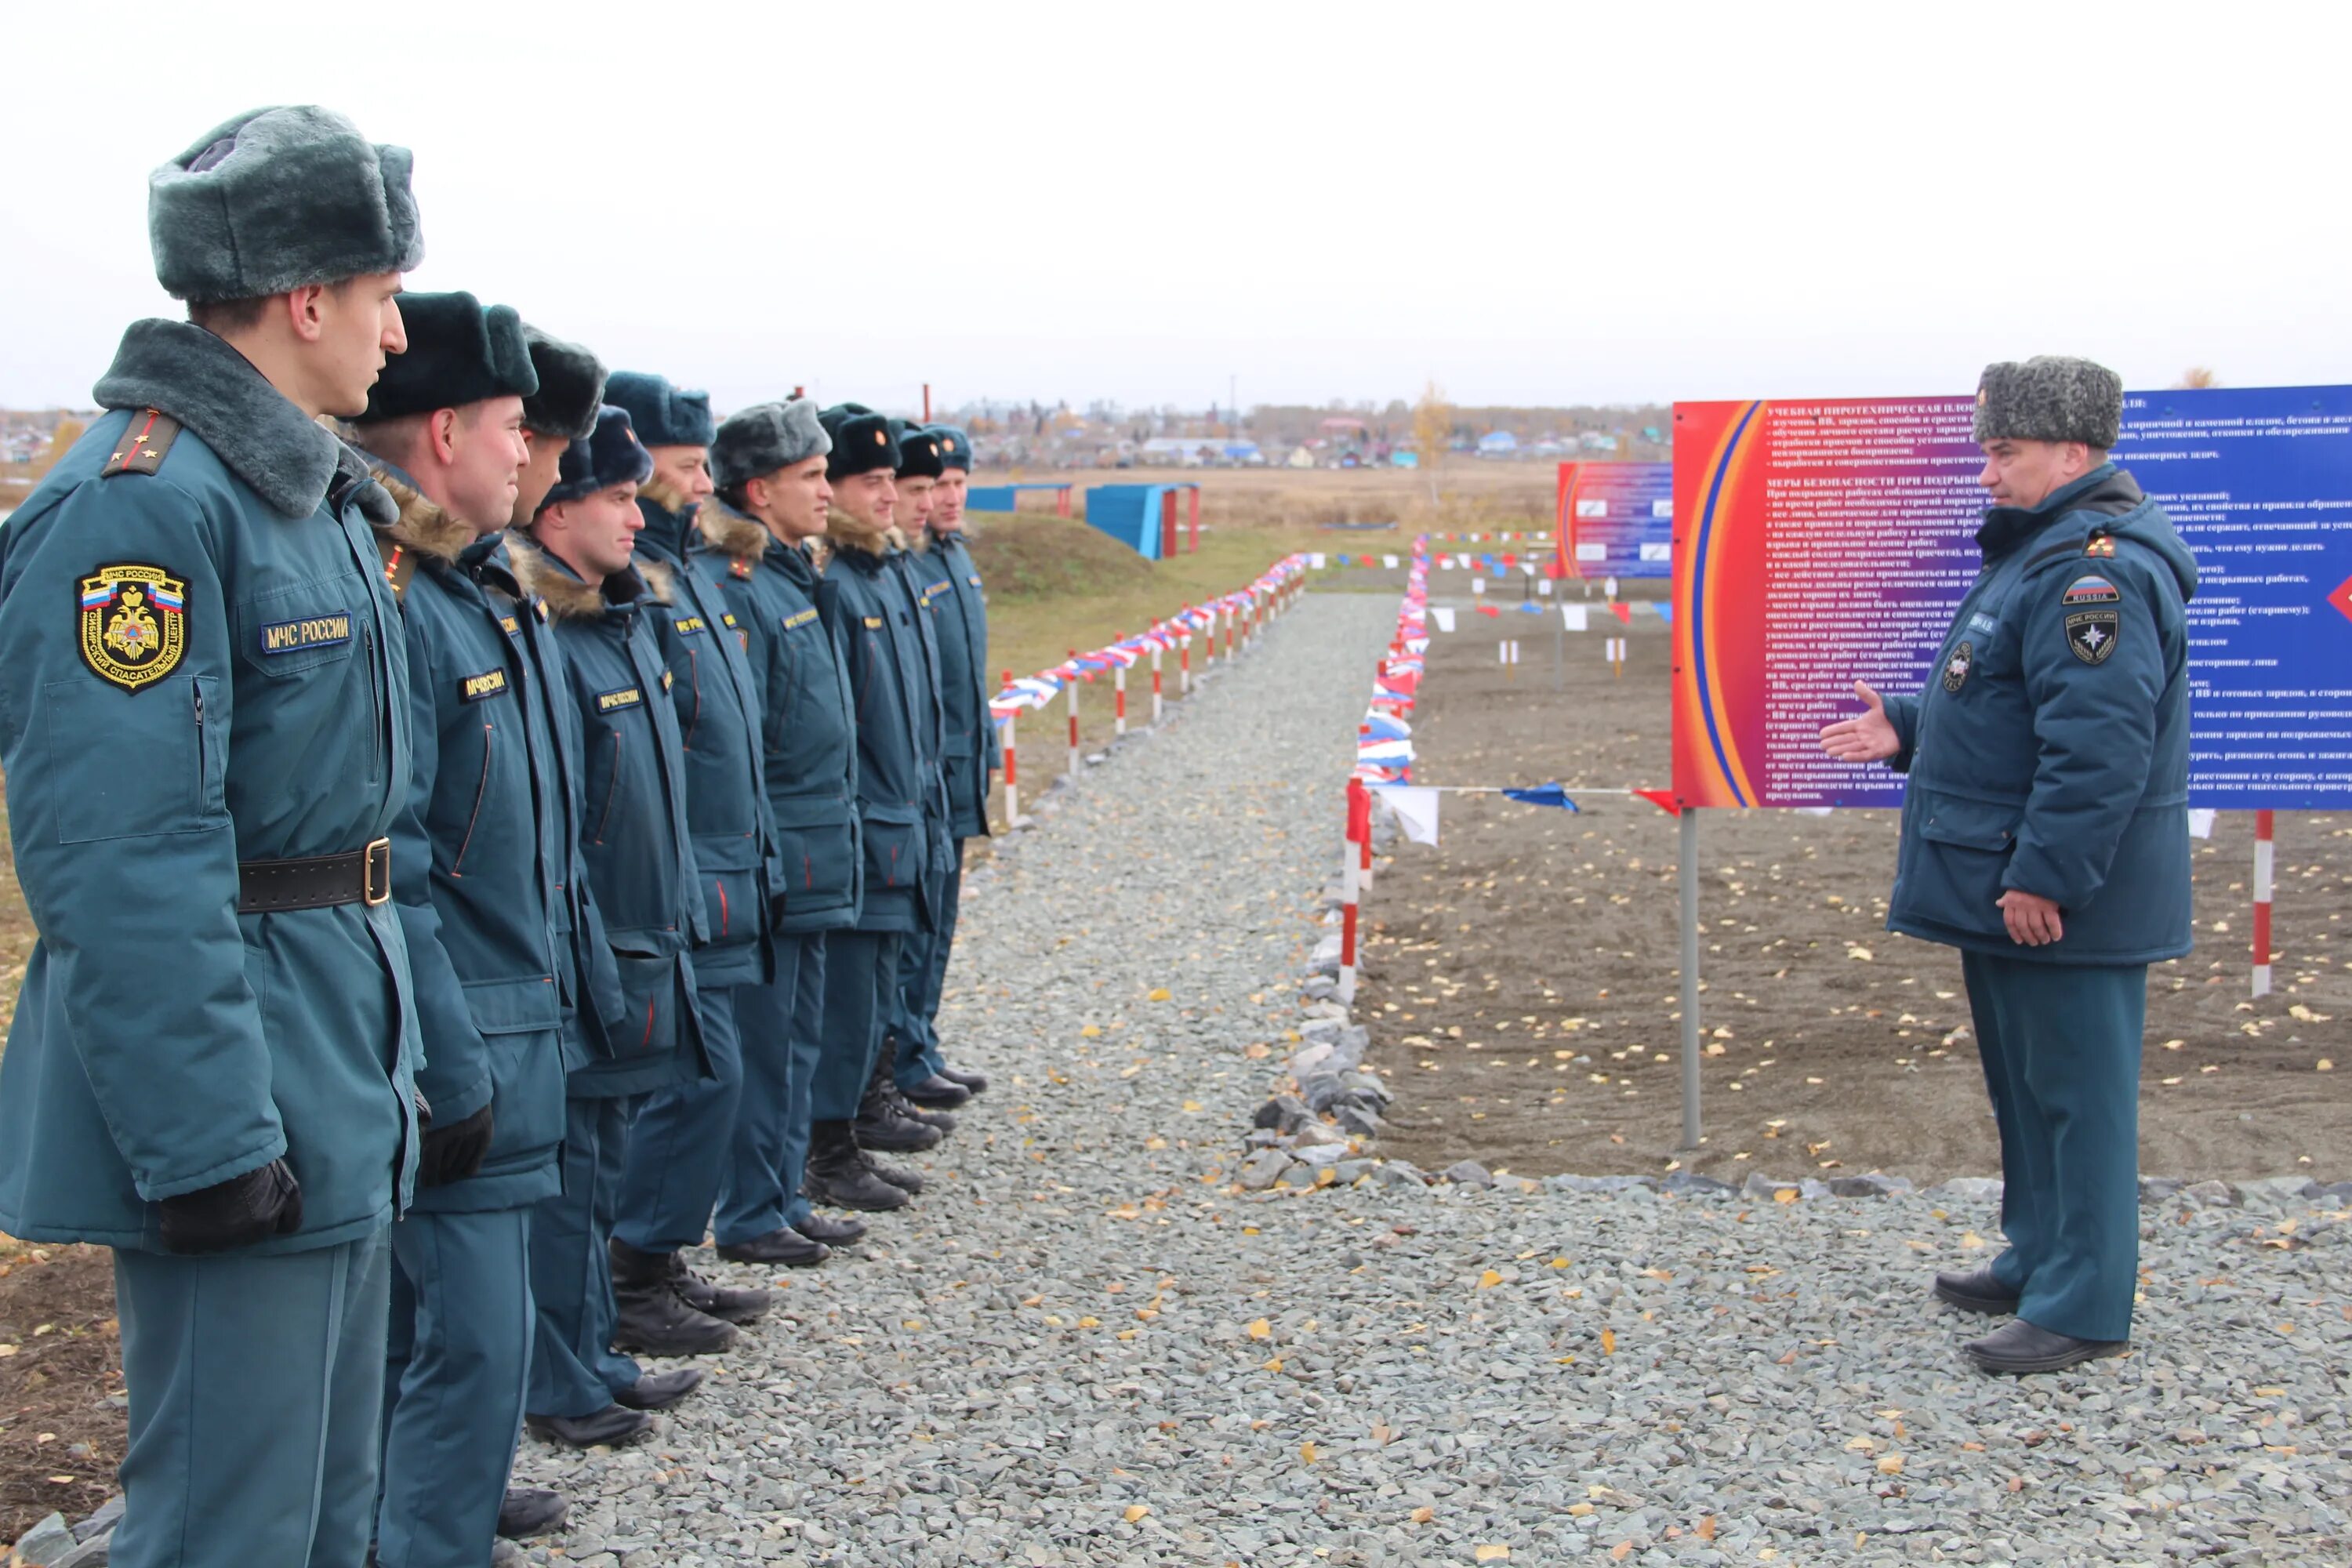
x=1073 y=690
x=1118 y=685
x=1359 y=822
x=1230 y=617
x=1184 y=664
x=1209 y=640
x=1155 y=684
x=1011 y=775
x=2263 y=856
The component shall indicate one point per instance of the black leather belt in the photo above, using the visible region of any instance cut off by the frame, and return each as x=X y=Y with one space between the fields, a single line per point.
x=360 y=877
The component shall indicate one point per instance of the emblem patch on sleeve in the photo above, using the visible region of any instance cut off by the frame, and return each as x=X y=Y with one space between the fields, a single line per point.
x=1956 y=668
x=133 y=624
x=2091 y=591
x=2092 y=634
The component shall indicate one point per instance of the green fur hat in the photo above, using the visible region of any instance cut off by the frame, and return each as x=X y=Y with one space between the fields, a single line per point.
x=570 y=388
x=2049 y=397
x=279 y=199
x=764 y=437
x=459 y=351
x=955 y=446
x=862 y=441
x=918 y=450
x=664 y=415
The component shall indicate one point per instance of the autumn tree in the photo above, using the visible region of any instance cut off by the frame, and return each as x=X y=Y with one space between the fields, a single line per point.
x=1432 y=427
x=2196 y=376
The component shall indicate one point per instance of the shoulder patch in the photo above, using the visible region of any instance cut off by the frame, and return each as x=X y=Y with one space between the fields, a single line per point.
x=490 y=683
x=2091 y=590
x=619 y=698
x=2092 y=634
x=1956 y=668
x=133 y=624
x=2101 y=547
x=144 y=444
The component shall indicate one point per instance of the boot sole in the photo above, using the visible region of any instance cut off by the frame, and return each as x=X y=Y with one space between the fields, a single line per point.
x=2018 y=1368
x=709 y=1344
x=844 y=1201
x=798 y=1262
x=897 y=1143
x=1990 y=1306
x=737 y=1315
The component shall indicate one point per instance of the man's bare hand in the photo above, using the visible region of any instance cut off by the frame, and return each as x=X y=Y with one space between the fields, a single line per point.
x=1868 y=738
x=2033 y=920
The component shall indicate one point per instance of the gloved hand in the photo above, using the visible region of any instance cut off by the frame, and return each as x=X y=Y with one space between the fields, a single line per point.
x=454 y=1152
x=262 y=1203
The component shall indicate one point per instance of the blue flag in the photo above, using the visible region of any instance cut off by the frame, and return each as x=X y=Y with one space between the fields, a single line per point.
x=1543 y=794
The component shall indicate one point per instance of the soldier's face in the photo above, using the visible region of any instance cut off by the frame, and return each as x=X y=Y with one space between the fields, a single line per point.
x=914 y=508
x=539 y=472
x=687 y=468
x=870 y=498
x=802 y=498
x=353 y=326
x=486 y=454
x=2024 y=473
x=609 y=522
x=947 y=503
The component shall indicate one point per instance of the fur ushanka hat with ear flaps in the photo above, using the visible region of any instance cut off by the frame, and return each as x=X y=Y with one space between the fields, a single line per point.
x=570 y=388
x=2049 y=397
x=862 y=441
x=279 y=199
x=664 y=415
x=612 y=455
x=955 y=446
x=764 y=437
x=459 y=351
x=918 y=450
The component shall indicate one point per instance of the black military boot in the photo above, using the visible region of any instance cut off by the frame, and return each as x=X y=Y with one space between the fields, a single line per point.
x=881 y=1124
x=905 y=1178
x=832 y=1231
x=838 y=1175
x=970 y=1082
x=783 y=1247
x=729 y=1303
x=655 y=1317
x=936 y=1092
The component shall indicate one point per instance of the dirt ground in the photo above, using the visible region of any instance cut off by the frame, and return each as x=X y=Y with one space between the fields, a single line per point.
x=1520 y=978
x=60 y=1358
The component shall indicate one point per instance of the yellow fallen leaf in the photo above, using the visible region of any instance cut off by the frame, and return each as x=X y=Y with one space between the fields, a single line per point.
x=2325 y=1065
x=1136 y=1510
x=1423 y=1515
x=1306 y=1453
x=1261 y=1329
x=1617 y=1552
x=1578 y=1510
x=1159 y=993
x=1192 y=1105
x=1784 y=1195
x=1087 y=1322
x=910 y=1323
x=1489 y=1280
x=7 y=1349
x=1608 y=1342
x=1492 y=1552
x=1707 y=1528
x=1892 y=1465
x=1559 y=1263
x=1274 y=1365
x=1092 y=1031
x=1859 y=954
x=2174 y=1045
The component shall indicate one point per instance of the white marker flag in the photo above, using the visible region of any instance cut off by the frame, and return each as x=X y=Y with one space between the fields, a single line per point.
x=1477 y=584
x=1444 y=615
x=1575 y=617
x=2200 y=821
x=1389 y=561
x=1414 y=808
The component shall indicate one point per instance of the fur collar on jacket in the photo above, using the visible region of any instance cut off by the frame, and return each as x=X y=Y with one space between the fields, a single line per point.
x=844 y=534
x=732 y=534
x=569 y=599
x=422 y=526
x=664 y=495
x=289 y=460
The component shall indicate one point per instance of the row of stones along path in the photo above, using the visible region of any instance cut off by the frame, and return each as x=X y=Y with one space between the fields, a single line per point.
x=1084 y=1345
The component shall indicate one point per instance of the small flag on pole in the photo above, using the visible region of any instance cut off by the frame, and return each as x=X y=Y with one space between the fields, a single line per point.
x=1543 y=794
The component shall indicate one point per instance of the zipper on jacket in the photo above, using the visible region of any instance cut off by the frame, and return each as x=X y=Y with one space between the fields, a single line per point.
x=612 y=791
x=197 y=689
x=457 y=867
x=694 y=686
x=375 y=700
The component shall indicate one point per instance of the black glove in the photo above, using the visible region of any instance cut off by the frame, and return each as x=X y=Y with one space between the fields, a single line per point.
x=239 y=1212
x=454 y=1152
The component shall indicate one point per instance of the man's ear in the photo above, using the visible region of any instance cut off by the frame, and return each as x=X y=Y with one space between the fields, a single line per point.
x=306 y=312
x=441 y=435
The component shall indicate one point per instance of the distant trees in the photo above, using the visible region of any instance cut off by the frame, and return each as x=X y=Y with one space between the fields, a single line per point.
x=2195 y=377
x=1432 y=424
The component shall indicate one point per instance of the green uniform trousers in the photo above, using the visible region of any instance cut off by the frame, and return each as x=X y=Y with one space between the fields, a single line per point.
x=781 y=1024
x=257 y=1385
x=574 y=1369
x=861 y=988
x=2061 y=1047
x=922 y=979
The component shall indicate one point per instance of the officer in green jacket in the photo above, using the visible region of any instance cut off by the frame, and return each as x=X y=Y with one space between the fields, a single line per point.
x=640 y=867
x=2045 y=835
x=951 y=591
x=204 y=723
x=768 y=464
x=867 y=588
x=679 y=1140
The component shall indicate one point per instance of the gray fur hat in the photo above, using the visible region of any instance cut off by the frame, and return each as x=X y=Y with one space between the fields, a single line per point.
x=2049 y=397
x=570 y=388
x=764 y=437
x=279 y=199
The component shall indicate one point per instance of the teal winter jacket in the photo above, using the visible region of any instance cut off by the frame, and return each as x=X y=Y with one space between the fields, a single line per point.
x=893 y=668
x=799 y=664
x=199 y=666
x=634 y=836
x=719 y=723
x=951 y=588
x=2051 y=751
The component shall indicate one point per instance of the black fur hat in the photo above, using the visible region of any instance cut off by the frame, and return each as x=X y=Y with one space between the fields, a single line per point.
x=664 y=415
x=458 y=352
x=612 y=455
x=570 y=388
x=2049 y=397
x=764 y=437
x=918 y=450
x=862 y=441
x=277 y=199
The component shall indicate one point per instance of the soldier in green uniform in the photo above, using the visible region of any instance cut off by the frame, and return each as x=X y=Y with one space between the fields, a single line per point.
x=2045 y=835
x=951 y=591
x=203 y=721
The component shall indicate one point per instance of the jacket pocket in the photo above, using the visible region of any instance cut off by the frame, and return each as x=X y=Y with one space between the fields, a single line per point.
x=814 y=851
x=894 y=849
x=173 y=784
x=731 y=884
x=649 y=1020
x=520 y=1021
x=1952 y=872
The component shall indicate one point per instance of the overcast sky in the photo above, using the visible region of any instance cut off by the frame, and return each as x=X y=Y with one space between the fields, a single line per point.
x=1546 y=203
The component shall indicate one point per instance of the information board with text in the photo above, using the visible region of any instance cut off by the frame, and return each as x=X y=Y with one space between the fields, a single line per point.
x=1616 y=520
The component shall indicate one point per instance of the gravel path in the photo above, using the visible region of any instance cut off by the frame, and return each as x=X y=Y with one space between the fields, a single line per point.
x=1083 y=1346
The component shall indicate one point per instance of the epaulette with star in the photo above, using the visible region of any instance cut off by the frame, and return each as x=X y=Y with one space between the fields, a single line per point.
x=141 y=451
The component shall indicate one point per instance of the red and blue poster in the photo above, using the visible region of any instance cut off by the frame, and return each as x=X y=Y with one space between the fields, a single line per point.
x=1823 y=543
x=1616 y=520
